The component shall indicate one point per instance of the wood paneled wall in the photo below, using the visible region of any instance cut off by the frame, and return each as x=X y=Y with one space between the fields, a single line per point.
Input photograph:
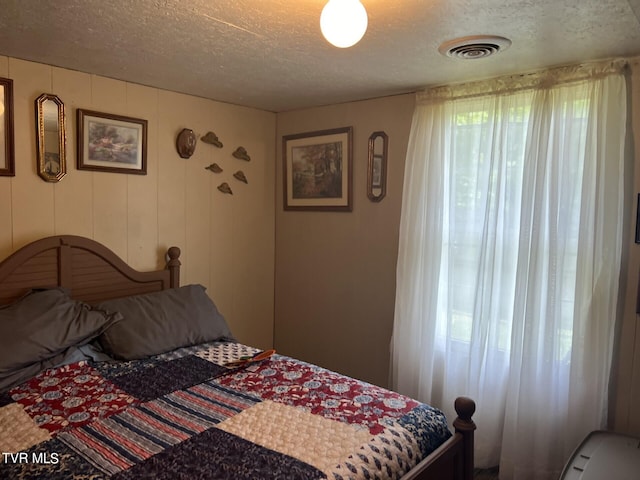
x=227 y=241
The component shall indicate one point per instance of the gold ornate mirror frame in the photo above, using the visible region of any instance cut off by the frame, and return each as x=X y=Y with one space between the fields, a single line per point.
x=50 y=138
x=377 y=170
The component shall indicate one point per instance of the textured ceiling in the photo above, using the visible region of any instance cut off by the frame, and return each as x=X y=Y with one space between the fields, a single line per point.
x=270 y=54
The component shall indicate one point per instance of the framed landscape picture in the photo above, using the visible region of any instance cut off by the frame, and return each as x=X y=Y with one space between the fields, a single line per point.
x=111 y=143
x=318 y=170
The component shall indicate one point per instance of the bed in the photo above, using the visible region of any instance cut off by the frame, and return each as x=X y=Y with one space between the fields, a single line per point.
x=100 y=403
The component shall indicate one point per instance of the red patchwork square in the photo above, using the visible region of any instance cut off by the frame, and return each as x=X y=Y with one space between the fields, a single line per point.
x=70 y=396
x=322 y=392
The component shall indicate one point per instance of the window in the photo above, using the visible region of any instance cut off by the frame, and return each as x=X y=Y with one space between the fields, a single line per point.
x=509 y=258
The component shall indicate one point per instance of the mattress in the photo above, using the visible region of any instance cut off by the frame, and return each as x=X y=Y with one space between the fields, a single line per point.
x=187 y=414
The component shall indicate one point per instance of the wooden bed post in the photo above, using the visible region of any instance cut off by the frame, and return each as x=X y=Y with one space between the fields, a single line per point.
x=174 y=267
x=465 y=408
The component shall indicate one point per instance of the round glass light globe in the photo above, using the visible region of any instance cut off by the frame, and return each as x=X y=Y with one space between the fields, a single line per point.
x=343 y=22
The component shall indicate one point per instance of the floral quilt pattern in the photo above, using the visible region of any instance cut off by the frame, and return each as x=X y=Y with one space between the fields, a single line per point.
x=185 y=414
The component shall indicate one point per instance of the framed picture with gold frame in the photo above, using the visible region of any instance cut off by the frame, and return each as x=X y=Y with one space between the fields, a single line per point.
x=7 y=153
x=318 y=170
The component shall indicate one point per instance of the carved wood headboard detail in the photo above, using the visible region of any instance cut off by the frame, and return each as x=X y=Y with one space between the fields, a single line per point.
x=87 y=268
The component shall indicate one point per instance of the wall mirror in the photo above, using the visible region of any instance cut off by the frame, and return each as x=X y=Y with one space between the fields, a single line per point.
x=50 y=137
x=377 y=170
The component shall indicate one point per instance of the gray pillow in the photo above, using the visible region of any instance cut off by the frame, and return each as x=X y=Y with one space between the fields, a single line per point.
x=42 y=326
x=158 y=322
x=9 y=380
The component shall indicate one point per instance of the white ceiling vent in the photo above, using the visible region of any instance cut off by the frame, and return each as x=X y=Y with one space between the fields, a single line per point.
x=473 y=47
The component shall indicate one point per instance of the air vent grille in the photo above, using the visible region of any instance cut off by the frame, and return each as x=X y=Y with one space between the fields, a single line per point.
x=475 y=47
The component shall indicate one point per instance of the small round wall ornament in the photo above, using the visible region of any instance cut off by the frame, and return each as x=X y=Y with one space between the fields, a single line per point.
x=186 y=143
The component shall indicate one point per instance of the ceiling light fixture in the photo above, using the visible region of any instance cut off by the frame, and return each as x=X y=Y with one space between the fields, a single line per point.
x=343 y=22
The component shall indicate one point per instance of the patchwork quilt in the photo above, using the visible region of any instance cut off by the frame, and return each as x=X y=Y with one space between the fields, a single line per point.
x=185 y=414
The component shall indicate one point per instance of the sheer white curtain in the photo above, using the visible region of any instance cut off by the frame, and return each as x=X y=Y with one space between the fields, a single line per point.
x=509 y=257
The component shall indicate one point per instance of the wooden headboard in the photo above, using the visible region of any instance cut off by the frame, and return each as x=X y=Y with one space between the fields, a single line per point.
x=87 y=268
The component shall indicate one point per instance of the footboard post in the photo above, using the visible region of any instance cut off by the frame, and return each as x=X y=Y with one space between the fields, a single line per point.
x=465 y=408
